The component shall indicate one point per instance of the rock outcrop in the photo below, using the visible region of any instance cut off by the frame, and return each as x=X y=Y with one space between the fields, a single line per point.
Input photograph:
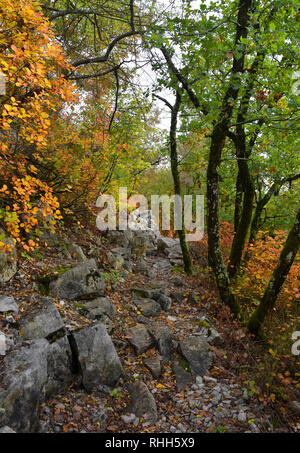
x=21 y=391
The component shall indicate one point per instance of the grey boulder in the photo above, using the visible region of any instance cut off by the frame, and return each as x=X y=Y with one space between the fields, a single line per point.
x=295 y=407
x=119 y=238
x=115 y=261
x=102 y=305
x=164 y=341
x=163 y=300
x=80 y=282
x=77 y=251
x=140 y=338
x=97 y=357
x=21 y=386
x=101 y=309
x=138 y=244
x=8 y=304
x=142 y=403
x=59 y=368
x=195 y=350
x=214 y=338
x=154 y=366
x=166 y=243
x=183 y=378
x=143 y=292
x=42 y=322
x=148 y=307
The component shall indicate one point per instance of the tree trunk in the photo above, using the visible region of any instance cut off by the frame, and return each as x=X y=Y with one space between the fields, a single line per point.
x=215 y=257
x=243 y=153
x=240 y=237
x=255 y=225
x=238 y=202
x=277 y=279
x=187 y=260
x=218 y=137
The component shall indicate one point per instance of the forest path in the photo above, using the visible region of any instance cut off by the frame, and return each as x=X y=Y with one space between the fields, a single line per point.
x=150 y=347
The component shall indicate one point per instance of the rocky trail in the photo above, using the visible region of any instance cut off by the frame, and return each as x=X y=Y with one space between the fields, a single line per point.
x=117 y=339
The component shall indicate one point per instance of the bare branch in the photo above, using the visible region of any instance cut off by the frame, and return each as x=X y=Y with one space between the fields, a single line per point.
x=163 y=100
x=193 y=97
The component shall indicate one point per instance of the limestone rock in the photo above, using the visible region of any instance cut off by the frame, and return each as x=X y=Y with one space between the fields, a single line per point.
x=138 y=243
x=144 y=220
x=119 y=238
x=143 y=292
x=154 y=365
x=142 y=403
x=82 y=281
x=295 y=407
x=21 y=386
x=174 y=251
x=140 y=338
x=163 y=300
x=43 y=322
x=196 y=352
x=59 y=367
x=148 y=307
x=96 y=314
x=115 y=261
x=8 y=304
x=102 y=304
x=164 y=243
x=97 y=357
x=164 y=341
x=183 y=378
x=214 y=338
x=76 y=250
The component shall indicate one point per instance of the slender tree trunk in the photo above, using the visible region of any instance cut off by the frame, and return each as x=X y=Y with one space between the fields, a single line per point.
x=255 y=225
x=238 y=201
x=278 y=278
x=218 y=137
x=187 y=260
x=215 y=257
x=240 y=237
x=243 y=153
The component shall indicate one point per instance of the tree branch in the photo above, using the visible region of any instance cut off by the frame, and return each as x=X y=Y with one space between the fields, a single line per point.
x=193 y=97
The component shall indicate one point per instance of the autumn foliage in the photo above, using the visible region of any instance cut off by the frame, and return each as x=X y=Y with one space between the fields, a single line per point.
x=33 y=64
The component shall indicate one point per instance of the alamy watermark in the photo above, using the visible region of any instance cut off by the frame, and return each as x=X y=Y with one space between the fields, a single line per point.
x=296 y=85
x=2 y=344
x=2 y=84
x=296 y=344
x=188 y=212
